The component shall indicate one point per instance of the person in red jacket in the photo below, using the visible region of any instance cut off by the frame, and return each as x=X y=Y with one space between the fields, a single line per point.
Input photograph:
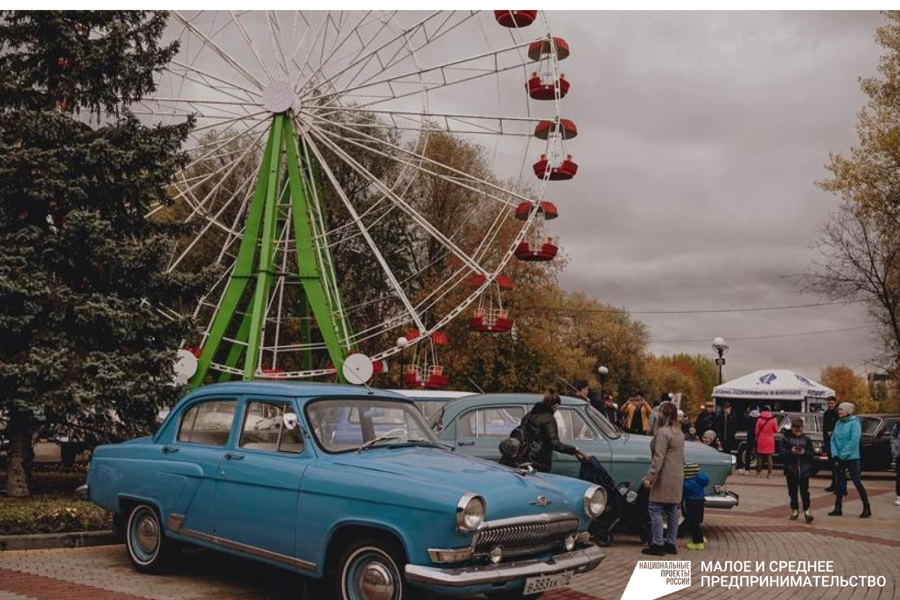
x=766 y=428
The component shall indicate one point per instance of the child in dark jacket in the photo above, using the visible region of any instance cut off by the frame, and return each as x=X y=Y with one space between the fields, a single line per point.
x=796 y=451
x=694 y=498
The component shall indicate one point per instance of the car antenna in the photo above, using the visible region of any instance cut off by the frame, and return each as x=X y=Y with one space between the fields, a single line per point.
x=574 y=389
x=477 y=387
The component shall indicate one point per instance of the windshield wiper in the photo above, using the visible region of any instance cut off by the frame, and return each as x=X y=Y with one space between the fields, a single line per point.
x=423 y=443
x=381 y=438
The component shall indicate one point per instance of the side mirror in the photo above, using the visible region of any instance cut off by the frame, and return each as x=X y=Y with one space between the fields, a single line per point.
x=290 y=421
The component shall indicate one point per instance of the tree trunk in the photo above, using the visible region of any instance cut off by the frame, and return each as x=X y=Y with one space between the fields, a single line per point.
x=21 y=454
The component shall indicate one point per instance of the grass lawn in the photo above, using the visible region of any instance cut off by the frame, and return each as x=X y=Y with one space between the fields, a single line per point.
x=54 y=507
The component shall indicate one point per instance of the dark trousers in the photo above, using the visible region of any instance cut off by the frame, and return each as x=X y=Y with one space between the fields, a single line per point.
x=897 y=469
x=747 y=455
x=850 y=467
x=795 y=483
x=694 y=517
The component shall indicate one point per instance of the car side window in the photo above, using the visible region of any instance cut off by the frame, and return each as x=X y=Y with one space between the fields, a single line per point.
x=264 y=428
x=575 y=427
x=494 y=422
x=208 y=423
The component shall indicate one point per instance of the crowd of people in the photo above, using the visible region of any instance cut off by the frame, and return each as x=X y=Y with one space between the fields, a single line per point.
x=674 y=485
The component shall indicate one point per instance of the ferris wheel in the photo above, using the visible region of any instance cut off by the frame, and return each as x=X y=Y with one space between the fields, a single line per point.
x=358 y=179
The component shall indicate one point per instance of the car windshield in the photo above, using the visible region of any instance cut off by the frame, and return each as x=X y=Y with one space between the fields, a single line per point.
x=344 y=424
x=608 y=430
x=430 y=408
x=811 y=423
x=869 y=425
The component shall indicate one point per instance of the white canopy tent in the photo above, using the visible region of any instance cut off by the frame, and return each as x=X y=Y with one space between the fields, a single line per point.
x=785 y=387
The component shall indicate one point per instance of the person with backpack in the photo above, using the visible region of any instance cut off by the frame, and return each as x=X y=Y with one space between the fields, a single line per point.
x=796 y=452
x=538 y=435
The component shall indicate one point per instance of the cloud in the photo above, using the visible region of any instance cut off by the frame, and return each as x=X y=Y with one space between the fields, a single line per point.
x=701 y=138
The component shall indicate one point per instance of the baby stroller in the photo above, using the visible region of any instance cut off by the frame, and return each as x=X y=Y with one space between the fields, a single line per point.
x=626 y=508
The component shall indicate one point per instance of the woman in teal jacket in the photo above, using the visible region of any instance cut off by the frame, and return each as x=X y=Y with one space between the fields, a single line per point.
x=845 y=454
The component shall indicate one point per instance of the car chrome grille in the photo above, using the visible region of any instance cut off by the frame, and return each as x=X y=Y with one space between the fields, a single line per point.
x=526 y=533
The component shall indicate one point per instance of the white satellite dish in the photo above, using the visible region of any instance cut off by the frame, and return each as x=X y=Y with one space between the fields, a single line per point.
x=185 y=366
x=358 y=369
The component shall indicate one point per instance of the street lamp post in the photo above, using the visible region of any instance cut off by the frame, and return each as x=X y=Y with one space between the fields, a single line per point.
x=604 y=373
x=719 y=345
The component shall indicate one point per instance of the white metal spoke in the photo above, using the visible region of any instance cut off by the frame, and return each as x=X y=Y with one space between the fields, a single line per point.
x=376 y=252
x=403 y=204
x=413 y=77
x=359 y=137
x=219 y=50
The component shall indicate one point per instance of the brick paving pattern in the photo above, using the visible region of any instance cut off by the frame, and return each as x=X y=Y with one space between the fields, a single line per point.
x=757 y=530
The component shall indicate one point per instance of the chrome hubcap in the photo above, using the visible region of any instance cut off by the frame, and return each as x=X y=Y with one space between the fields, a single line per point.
x=376 y=582
x=147 y=534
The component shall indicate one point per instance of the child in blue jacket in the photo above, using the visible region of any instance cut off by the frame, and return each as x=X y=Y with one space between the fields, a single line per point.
x=694 y=497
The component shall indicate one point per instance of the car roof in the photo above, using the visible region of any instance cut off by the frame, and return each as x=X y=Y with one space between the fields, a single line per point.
x=432 y=394
x=290 y=388
x=510 y=398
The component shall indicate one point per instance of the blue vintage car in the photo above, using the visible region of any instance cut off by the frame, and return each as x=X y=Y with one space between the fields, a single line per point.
x=344 y=486
x=476 y=425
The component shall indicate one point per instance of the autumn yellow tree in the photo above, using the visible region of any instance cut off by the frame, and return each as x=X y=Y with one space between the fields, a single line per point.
x=860 y=245
x=848 y=387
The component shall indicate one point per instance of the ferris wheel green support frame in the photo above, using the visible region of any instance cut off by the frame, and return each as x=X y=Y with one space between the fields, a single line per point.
x=260 y=230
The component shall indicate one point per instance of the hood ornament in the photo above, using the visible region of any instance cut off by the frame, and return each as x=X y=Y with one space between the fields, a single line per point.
x=541 y=501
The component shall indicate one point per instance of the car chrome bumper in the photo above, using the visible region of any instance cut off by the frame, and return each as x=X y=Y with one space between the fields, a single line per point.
x=579 y=561
x=723 y=500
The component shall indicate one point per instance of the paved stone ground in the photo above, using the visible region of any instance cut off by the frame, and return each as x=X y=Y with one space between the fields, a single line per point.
x=758 y=530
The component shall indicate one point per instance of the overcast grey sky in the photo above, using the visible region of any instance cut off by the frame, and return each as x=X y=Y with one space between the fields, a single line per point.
x=701 y=136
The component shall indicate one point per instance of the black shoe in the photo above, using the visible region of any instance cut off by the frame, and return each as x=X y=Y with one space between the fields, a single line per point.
x=830 y=488
x=654 y=551
x=836 y=513
x=670 y=549
x=866 y=513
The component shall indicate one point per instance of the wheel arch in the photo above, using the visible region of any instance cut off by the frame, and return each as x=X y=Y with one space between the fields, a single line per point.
x=346 y=531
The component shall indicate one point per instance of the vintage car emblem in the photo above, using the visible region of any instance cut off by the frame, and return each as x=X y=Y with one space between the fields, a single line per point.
x=541 y=501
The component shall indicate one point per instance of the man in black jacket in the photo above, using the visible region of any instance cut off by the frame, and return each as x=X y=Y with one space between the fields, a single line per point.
x=829 y=420
x=706 y=420
x=542 y=436
x=727 y=426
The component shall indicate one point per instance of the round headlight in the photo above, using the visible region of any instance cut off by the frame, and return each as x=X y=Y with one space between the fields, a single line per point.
x=594 y=501
x=469 y=512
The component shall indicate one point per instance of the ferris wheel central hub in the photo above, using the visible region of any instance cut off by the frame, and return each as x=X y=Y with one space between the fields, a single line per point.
x=278 y=97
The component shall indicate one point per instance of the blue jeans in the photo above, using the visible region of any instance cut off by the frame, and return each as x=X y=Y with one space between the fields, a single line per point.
x=849 y=467
x=656 y=523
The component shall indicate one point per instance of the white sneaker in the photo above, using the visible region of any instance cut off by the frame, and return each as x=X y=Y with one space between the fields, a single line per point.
x=743 y=472
x=897 y=501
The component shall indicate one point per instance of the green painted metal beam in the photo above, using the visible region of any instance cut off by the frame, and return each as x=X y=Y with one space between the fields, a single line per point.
x=307 y=264
x=243 y=271
x=264 y=272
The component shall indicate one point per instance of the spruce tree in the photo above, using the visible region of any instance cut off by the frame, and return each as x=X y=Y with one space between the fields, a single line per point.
x=84 y=348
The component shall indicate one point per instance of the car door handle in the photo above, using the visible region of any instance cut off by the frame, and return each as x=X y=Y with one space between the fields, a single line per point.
x=233 y=456
x=169 y=449
x=465 y=443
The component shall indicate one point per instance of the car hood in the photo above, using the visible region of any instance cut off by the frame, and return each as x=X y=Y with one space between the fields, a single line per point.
x=693 y=451
x=440 y=473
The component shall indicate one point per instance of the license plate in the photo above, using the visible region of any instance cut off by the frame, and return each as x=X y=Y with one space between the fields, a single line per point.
x=534 y=585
